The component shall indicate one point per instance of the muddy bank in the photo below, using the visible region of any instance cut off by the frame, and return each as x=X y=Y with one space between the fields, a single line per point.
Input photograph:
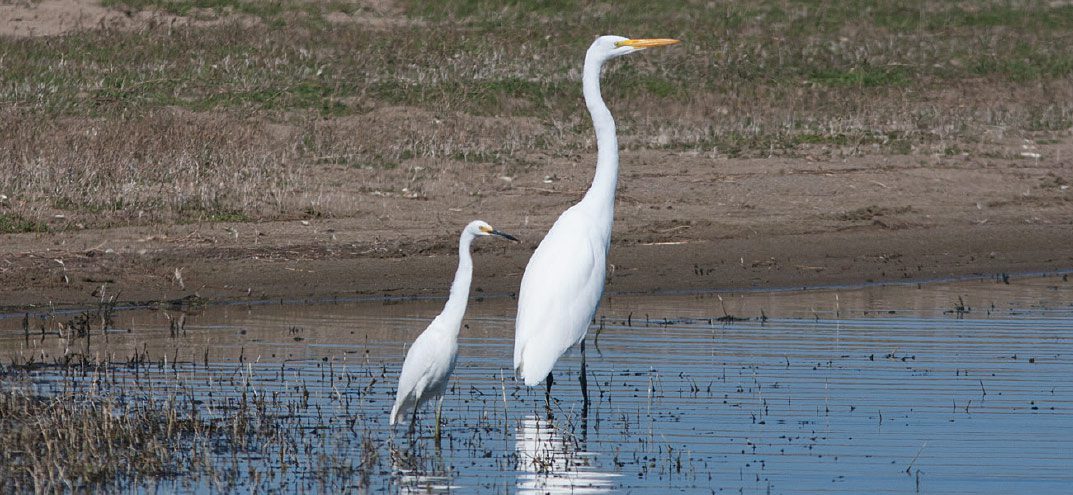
x=697 y=224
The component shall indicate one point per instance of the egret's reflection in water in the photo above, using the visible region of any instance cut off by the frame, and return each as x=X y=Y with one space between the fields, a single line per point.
x=411 y=482
x=552 y=462
x=420 y=468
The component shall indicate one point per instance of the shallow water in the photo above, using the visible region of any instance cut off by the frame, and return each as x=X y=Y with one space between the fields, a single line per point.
x=867 y=390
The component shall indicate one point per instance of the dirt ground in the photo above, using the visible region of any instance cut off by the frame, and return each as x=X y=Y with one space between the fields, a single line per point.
x=685 y=219
x=699 y=223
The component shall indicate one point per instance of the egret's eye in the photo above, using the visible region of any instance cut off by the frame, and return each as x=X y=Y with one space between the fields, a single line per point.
x=486 y=229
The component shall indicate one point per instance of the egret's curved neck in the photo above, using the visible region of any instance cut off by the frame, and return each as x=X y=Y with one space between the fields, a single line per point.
x=456 y=303
x=602 y=191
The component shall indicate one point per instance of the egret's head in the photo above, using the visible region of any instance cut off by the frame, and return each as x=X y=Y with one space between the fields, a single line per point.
x=609 y=47
x=480 y=228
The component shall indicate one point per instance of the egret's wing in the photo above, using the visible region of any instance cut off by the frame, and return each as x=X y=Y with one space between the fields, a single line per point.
x=428 y=365
x=560 y=290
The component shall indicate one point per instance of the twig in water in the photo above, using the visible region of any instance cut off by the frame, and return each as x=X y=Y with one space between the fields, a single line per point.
x=599 y=330
x=908 y=470
x=727 y=317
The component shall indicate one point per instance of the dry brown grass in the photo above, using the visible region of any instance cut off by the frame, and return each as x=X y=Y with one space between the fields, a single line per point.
x=75 y=442
x=167 y=165
x=85 y=425
x=312 y=108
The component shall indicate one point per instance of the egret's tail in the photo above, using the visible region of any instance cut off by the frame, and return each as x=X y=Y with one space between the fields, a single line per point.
x=533 y=369
x=394 y=418
x=519 y=371
x=398 y=411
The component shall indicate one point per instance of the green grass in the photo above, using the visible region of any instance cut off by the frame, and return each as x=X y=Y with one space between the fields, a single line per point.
x=1029 y=62
x=865 y=77
x=812 y=138
x=11 y=223
x=460 y=9
x=314 y=66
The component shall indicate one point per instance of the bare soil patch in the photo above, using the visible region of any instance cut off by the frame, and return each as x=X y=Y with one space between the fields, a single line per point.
x=262 y=150
x=683 y=222
x=56 y=17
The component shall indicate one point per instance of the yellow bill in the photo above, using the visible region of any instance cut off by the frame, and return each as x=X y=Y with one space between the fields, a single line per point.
x=647 y=42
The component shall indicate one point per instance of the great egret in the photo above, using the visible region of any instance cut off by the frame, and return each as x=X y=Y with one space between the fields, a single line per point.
x=564 y=279
x=431 y=359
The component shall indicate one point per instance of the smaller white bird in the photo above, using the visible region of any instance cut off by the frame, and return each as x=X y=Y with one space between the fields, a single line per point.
x=431 y=359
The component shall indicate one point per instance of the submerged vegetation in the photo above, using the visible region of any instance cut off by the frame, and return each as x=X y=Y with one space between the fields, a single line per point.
x=766 y=391
x=74 y=442
x=95 y=425
x=240 y=110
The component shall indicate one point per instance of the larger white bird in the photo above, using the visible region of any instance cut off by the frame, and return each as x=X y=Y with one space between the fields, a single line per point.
x=564 y=280
x=431 y=359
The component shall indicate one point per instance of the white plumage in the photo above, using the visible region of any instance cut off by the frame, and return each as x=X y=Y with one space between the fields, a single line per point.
x=564 y=279
x=550 y=322
x=431 y=358
x=429 y=364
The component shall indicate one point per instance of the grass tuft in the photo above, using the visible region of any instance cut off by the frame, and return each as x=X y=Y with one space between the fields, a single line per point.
x=74 y=442
x=12 y=223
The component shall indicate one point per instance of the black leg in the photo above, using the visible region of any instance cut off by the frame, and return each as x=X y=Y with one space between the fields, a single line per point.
x=413 y=424
x=584 y=379
x=550 y=380
x=439 y=412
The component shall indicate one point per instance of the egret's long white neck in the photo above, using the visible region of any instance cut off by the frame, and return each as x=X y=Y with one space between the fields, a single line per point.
x=456 y=303
x=602 y=192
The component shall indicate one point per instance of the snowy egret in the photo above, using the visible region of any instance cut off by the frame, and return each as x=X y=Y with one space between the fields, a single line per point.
x=564 y=279
x=431 y=358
